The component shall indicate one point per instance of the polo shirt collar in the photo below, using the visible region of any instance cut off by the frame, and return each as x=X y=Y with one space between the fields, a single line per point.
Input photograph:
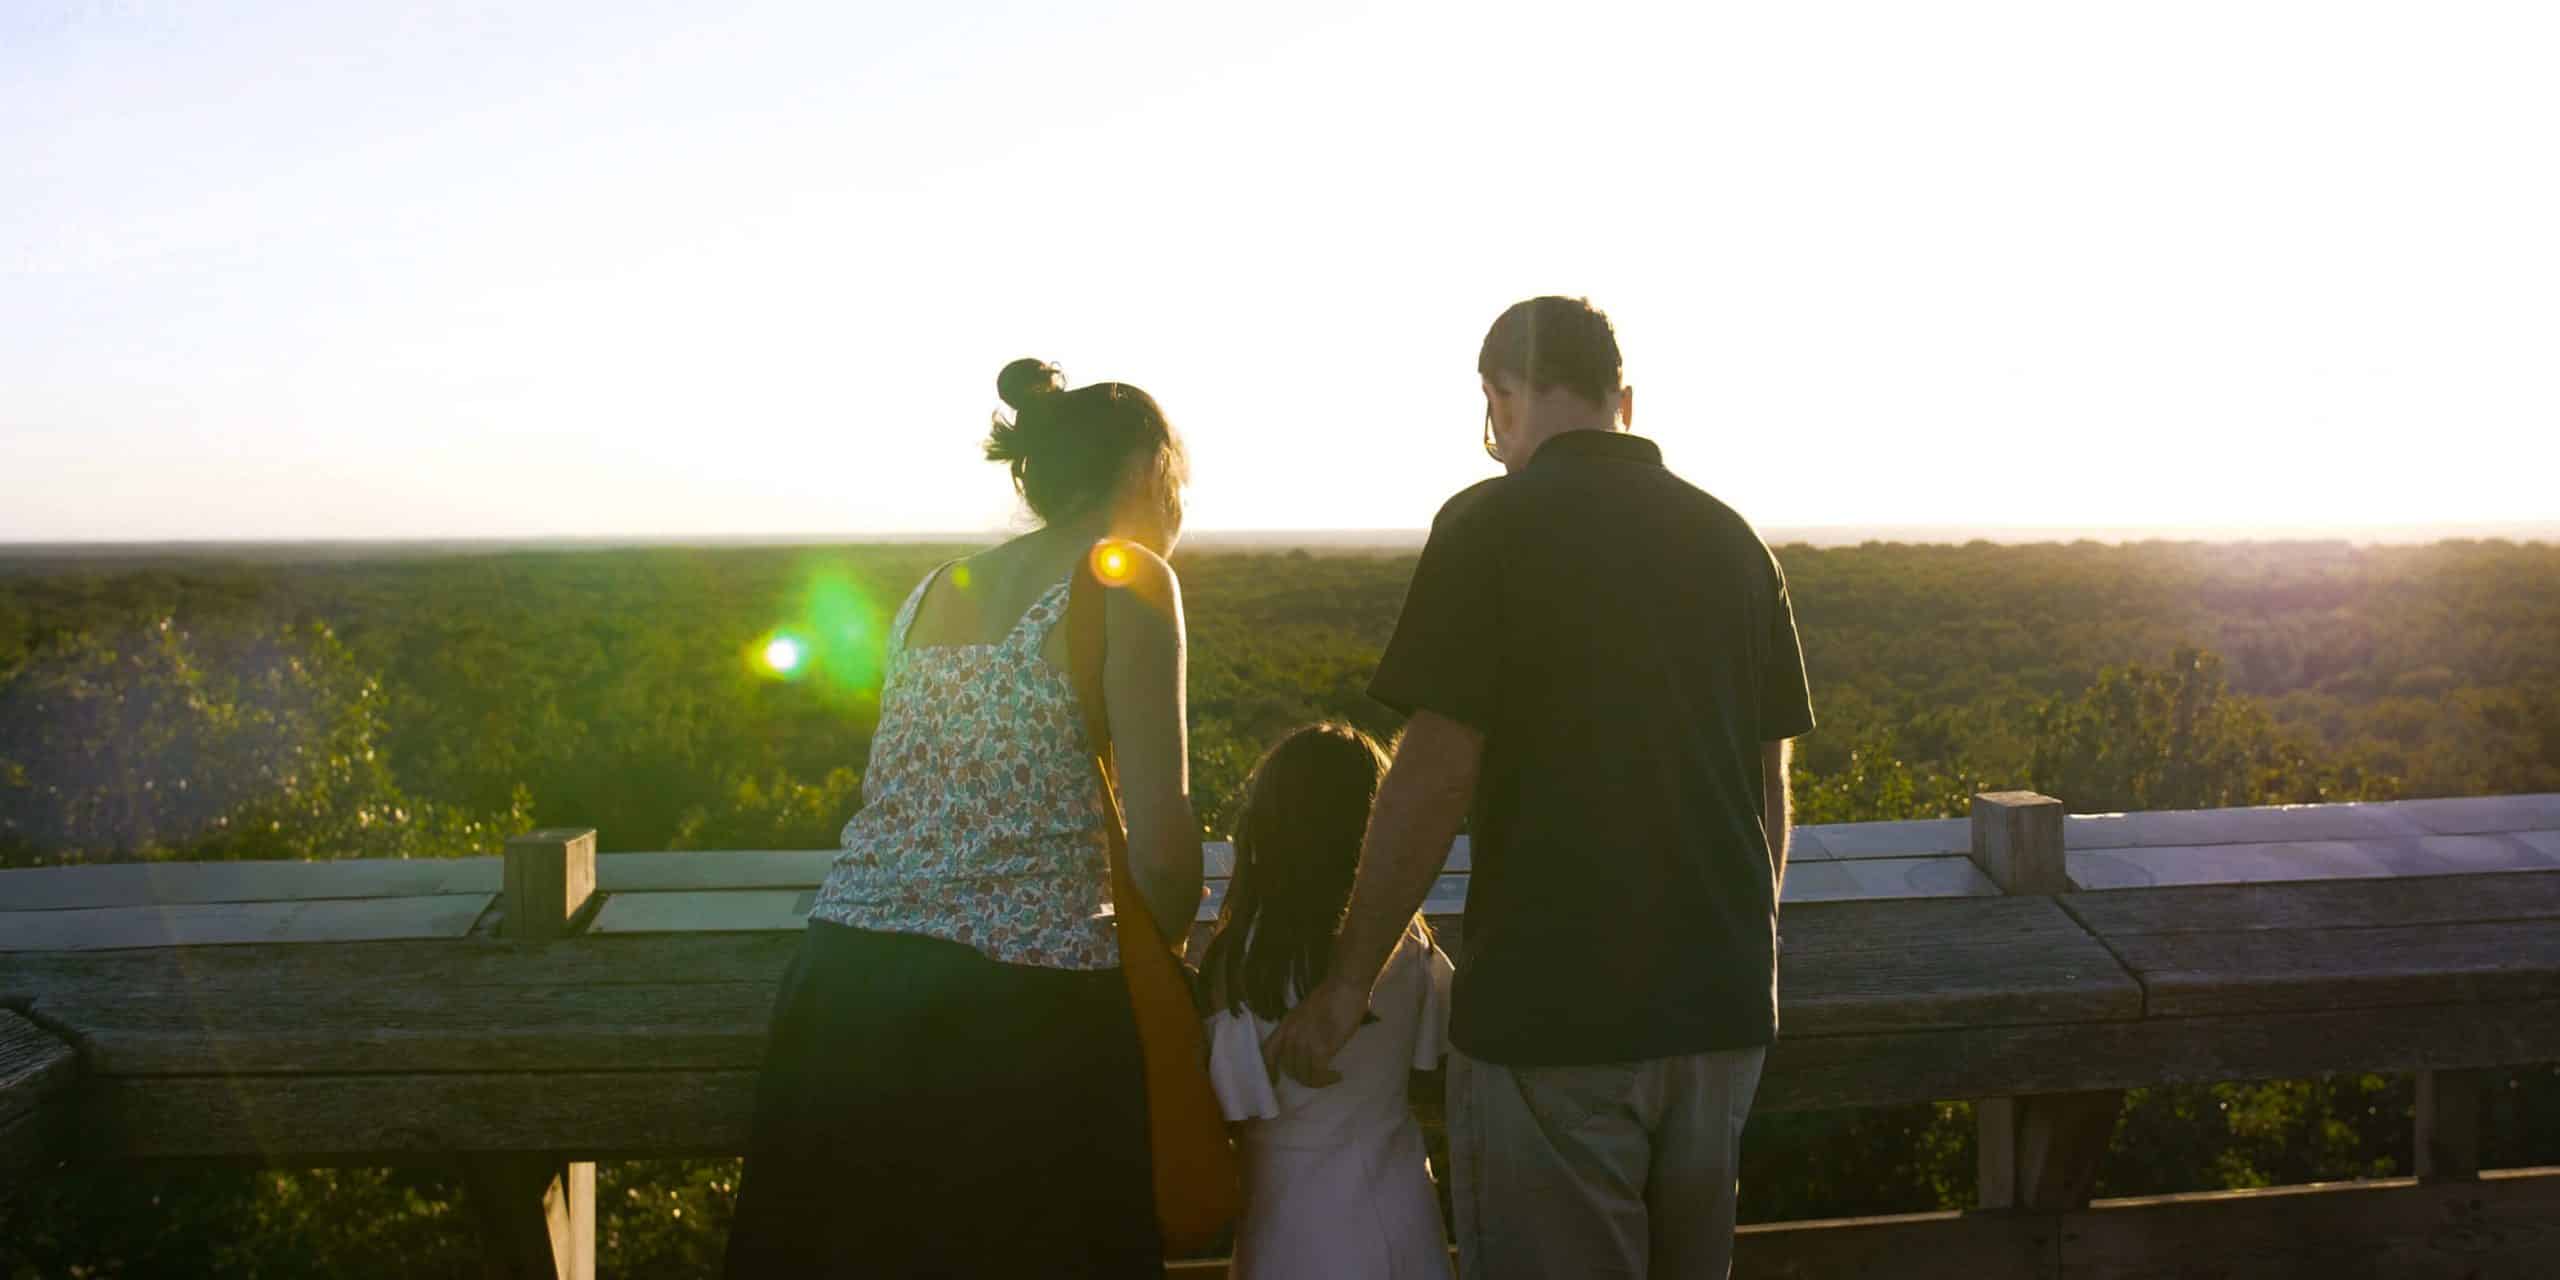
x=1616 y=446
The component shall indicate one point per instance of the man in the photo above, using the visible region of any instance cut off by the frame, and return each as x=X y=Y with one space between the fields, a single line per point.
x=1601 y=667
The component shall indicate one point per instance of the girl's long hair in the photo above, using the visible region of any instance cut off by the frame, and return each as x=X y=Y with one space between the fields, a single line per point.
x=1297 y=846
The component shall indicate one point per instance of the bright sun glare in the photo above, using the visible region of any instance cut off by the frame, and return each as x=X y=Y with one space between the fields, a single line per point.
x=1111 y=563
x=782 y=653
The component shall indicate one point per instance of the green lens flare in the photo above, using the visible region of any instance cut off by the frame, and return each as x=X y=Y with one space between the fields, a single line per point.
x=831 y=643
x=845 y=630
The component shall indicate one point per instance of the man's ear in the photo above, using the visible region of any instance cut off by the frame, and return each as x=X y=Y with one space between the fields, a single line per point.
x=1627 y=407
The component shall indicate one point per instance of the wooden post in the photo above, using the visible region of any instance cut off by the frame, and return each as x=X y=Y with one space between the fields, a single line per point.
x=2449 y=1125
x=2017 y=841
x=550 y=875
x=538 y=1214
x=2037 y=1153
x=537 y=1218
x=2042 y=1152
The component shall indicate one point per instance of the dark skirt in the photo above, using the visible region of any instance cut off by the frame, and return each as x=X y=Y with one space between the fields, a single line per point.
x=927 y=1111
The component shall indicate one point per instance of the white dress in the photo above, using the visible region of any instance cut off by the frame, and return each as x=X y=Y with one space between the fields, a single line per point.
x=1336 y=1183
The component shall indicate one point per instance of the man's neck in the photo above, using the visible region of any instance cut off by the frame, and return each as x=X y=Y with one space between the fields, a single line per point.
x=1540 y=441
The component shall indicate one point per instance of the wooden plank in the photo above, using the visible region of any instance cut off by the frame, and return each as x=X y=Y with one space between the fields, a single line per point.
x=2264 y=824
x=713 y=869
x=2272 y=969
x=1871 y=879
x=528 y=1028
x=2017 y=841
x=378 y=1118
x=1911 y=838
x=61 y=981
x=2330 y=860
x=1923 y=1246
x=638 y=1109
x=1954 y=985
x=2524 y=895
x=448 y=915
x=133 y=884
x=2393 y=1227
x=2386 y=1228
x=728 y=911
x=1813 y=1073
x=741 y=910
x=2468 y=815
x=1905 y=924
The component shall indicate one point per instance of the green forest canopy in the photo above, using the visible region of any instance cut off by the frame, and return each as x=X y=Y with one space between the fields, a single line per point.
x=203 y=707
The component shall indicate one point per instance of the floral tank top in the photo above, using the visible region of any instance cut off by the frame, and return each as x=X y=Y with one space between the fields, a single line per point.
x=982 y=818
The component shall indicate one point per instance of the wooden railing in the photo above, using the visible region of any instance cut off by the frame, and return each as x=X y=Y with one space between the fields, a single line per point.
x=522 y=1017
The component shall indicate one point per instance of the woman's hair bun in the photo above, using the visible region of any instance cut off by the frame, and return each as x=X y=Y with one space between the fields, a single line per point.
x=1026 y=381
x=1069 y=450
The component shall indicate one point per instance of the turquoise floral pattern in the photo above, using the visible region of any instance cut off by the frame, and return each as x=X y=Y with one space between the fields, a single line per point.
x=982 y=821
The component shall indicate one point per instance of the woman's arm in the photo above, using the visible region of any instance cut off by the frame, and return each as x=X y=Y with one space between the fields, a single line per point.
x=1142 y=683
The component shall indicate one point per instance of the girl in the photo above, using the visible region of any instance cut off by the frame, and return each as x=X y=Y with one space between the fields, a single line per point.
x=1335 y=1179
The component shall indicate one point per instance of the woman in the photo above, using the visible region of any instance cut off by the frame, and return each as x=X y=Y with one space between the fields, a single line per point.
x=954 y=1084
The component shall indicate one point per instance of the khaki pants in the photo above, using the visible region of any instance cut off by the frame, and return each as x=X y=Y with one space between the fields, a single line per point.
x=1622 y=1169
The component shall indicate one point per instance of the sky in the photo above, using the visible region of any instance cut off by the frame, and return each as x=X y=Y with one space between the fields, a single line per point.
x=287 y=270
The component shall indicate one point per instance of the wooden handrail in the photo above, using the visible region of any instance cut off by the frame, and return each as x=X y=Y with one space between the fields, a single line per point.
x=320 y=1024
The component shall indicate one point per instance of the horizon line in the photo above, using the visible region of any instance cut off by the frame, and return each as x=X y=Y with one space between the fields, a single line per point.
x=2371 y=533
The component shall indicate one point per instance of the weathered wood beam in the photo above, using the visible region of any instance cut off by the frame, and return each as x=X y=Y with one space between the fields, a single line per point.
x=2245 y=970
x=2396 y=1227
x=430 y=1118
x=1819 y=1073
x=2507 y=1224
x=2373 y=902
x=643 y=1109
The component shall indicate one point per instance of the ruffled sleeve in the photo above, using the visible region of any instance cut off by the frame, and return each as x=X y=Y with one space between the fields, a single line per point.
x=1432 y=1043
x=1235 y=1066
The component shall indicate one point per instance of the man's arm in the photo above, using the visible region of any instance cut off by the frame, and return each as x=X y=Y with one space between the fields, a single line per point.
x=1420 y=806
x=1777 y=807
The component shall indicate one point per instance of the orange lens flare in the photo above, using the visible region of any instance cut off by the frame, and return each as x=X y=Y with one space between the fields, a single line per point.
x=1112 y=562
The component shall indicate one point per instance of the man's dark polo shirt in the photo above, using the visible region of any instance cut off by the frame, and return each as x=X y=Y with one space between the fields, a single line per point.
x=1625 y=643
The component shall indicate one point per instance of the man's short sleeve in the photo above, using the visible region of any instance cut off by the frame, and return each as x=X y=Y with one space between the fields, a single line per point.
x=1443 y=655
x=1786 y=709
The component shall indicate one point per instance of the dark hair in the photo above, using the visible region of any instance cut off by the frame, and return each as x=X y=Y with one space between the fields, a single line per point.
x=1066 y=449
x=1297 y=846
x=1555 y=342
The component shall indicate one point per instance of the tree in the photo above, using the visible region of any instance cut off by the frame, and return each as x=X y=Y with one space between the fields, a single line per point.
x=2170 y=739
x=246 y=742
